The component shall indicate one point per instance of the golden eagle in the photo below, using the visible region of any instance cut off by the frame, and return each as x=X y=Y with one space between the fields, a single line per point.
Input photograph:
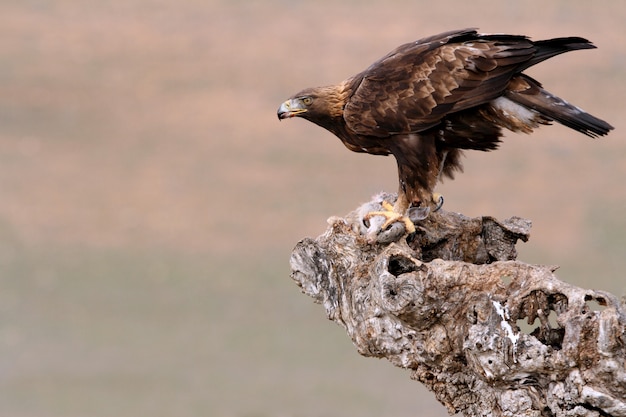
x=428 y=100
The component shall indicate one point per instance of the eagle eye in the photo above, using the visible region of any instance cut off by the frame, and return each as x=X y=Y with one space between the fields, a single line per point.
x=307 y=100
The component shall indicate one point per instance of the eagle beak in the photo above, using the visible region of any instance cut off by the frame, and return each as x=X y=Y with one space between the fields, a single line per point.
x=290 y=108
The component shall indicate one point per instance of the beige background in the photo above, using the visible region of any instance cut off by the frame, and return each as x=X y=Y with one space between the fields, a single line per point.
x=149 y=197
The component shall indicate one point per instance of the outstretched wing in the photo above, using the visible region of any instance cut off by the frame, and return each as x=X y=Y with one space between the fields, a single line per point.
x=416 y=85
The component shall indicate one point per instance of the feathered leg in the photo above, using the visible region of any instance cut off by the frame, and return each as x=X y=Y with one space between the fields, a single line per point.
x=419 y=168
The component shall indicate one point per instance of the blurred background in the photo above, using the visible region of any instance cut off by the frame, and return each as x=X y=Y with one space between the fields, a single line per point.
x=150 y=199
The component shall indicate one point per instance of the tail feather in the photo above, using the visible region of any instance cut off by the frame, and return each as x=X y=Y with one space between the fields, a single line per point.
x=551 y=47
x=529 y=93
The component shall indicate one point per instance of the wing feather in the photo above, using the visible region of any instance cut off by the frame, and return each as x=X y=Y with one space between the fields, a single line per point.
x=415 y=86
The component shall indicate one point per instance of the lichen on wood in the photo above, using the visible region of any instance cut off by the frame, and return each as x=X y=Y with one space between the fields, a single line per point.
x=487 y=334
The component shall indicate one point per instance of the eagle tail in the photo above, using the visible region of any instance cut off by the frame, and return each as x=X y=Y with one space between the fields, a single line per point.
x=551 y=47
x=529 y=93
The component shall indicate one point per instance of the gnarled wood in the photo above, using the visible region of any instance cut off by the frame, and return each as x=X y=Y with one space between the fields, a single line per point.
x=450 y=302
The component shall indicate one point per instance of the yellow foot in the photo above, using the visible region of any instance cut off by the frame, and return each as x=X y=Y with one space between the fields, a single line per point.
x=438 y=200
x=392 y=217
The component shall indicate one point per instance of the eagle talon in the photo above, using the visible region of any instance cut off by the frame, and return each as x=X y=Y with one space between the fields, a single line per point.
x=391 y=217
x=438 y=200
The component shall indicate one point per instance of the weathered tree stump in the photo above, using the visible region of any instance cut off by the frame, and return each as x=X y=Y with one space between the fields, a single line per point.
x=449 y=303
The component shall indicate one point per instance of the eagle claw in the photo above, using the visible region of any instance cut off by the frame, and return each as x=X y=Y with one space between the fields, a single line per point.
x=438 y=200
x=391 y=217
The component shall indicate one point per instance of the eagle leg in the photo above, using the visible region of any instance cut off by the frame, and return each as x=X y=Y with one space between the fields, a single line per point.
x=391 y=215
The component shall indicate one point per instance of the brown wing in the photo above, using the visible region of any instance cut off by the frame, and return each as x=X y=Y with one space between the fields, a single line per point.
x=416 y=85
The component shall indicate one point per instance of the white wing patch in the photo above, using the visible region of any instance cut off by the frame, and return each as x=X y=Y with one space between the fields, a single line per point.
x=516 y=117
x=512 y=109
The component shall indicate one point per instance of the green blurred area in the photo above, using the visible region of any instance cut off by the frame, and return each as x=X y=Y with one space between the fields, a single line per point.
x=149 y=198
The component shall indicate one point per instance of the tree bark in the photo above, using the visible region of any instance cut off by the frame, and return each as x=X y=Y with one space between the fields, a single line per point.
x=488 y=335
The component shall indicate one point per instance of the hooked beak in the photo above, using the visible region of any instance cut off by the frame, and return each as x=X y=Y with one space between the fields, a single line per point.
x=290 y=108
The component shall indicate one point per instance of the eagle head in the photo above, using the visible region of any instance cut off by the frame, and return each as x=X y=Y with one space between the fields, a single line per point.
x=295 y=106
x=317 y=105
